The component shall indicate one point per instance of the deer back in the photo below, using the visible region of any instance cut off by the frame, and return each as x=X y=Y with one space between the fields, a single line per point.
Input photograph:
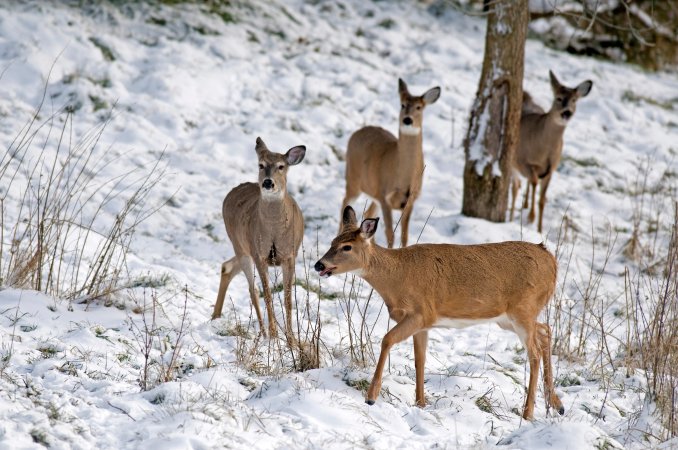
x=372 y=160
x=464 y=281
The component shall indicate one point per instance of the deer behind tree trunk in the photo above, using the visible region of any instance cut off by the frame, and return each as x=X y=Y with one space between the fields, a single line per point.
x=541 y=142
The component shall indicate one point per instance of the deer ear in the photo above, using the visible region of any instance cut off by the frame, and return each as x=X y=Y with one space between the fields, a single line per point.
x=555 y=84
x=348 y=218
x=295 y=155
x=260 y=147
x=402 y=88
x=584 y=88
x=431 y=95
x=368 y=228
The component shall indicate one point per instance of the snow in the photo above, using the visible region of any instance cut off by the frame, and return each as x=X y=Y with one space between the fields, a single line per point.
x=202 y=89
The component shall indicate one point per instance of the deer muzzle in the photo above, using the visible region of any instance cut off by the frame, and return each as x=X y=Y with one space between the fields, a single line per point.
x=323 y=270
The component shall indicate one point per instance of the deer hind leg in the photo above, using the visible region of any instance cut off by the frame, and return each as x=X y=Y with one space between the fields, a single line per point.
x=420 y=343
x=351 y=195
x=534 y=355
x=370 y=210
x=552 y=400
x=544 y=184
x=388 y=221
x=527 y=333
x=229 y=269
x=408 y=326
x=288 y=280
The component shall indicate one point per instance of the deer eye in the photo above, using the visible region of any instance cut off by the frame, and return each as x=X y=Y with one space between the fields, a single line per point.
x=281 y=167
x=261 y=167
x=346 y=248
x=418 y=107
x=402 y=106
x=559 y=99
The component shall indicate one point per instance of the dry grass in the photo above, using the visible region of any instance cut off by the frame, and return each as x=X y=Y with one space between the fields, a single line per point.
x=68 y=231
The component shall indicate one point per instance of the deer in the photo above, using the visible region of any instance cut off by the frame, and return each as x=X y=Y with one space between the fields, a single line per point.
x=265 y=227
x=541 y=142
x=426 y=286
x=390 y=169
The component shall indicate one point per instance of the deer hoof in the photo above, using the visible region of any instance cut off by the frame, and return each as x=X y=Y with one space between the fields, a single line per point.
x=369 y=401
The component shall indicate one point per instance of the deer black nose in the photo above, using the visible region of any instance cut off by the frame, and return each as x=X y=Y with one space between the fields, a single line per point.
x=567 y=114
x=267 y=184
x=319 y=267
x=407 y=121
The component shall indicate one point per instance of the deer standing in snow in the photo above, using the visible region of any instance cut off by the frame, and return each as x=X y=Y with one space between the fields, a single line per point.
x=541 y=142
x=265 y=226
x=428 y=286
x=390 y=169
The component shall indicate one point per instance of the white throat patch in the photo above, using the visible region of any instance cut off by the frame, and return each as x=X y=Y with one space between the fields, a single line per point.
x=409 y=130
x=277 y=194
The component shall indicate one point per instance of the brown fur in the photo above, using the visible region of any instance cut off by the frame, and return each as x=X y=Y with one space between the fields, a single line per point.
x=541 y=142
x=387 y=168
x=509 y=282
x=265 y=230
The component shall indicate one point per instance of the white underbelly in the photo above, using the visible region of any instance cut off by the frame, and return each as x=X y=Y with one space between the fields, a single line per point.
x=463 y=323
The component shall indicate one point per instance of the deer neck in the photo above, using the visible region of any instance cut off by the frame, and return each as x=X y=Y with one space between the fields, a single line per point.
x=382 y=270
x=274 y=209
x=410 y=154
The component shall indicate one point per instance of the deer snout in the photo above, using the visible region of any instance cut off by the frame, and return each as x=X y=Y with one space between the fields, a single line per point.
x=267 y=184
x=407 y=121
x=323 y=270
x=566 y=114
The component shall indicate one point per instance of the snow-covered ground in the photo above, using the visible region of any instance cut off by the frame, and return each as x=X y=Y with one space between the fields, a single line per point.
x=202 y=87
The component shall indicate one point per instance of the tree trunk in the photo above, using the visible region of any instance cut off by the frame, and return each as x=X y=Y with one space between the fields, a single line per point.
x=494 y=125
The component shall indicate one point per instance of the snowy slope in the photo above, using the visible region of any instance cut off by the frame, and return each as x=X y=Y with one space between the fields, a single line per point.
x=202 y=88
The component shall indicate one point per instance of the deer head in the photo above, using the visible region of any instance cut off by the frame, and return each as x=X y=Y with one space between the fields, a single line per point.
x=412 y=108
x=349 y=251
x=565 y=98
x=273 y=169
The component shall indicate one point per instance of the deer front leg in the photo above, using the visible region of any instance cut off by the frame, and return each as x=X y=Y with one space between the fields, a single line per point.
x=532 y=183
x=229 y=269
x=246 y=264
x=405 y=222
x=544 y=185
x=262 y=269
x=515 y=189
x=420 y=344
x=404 y=329
x=527 y=195
x=288 y=280
x=388 y=221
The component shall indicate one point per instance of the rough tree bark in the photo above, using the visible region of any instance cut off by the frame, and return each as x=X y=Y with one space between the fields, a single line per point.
x=494 y=125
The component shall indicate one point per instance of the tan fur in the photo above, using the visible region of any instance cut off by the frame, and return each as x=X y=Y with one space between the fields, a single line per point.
x=265 y=230
x=541 y=142
x=506 y=282
x=387 y=168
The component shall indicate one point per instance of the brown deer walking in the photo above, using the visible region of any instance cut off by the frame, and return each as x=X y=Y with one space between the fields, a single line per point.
x=428 y=286
x=541 y=142
x=390 y=169
x=265 y=226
